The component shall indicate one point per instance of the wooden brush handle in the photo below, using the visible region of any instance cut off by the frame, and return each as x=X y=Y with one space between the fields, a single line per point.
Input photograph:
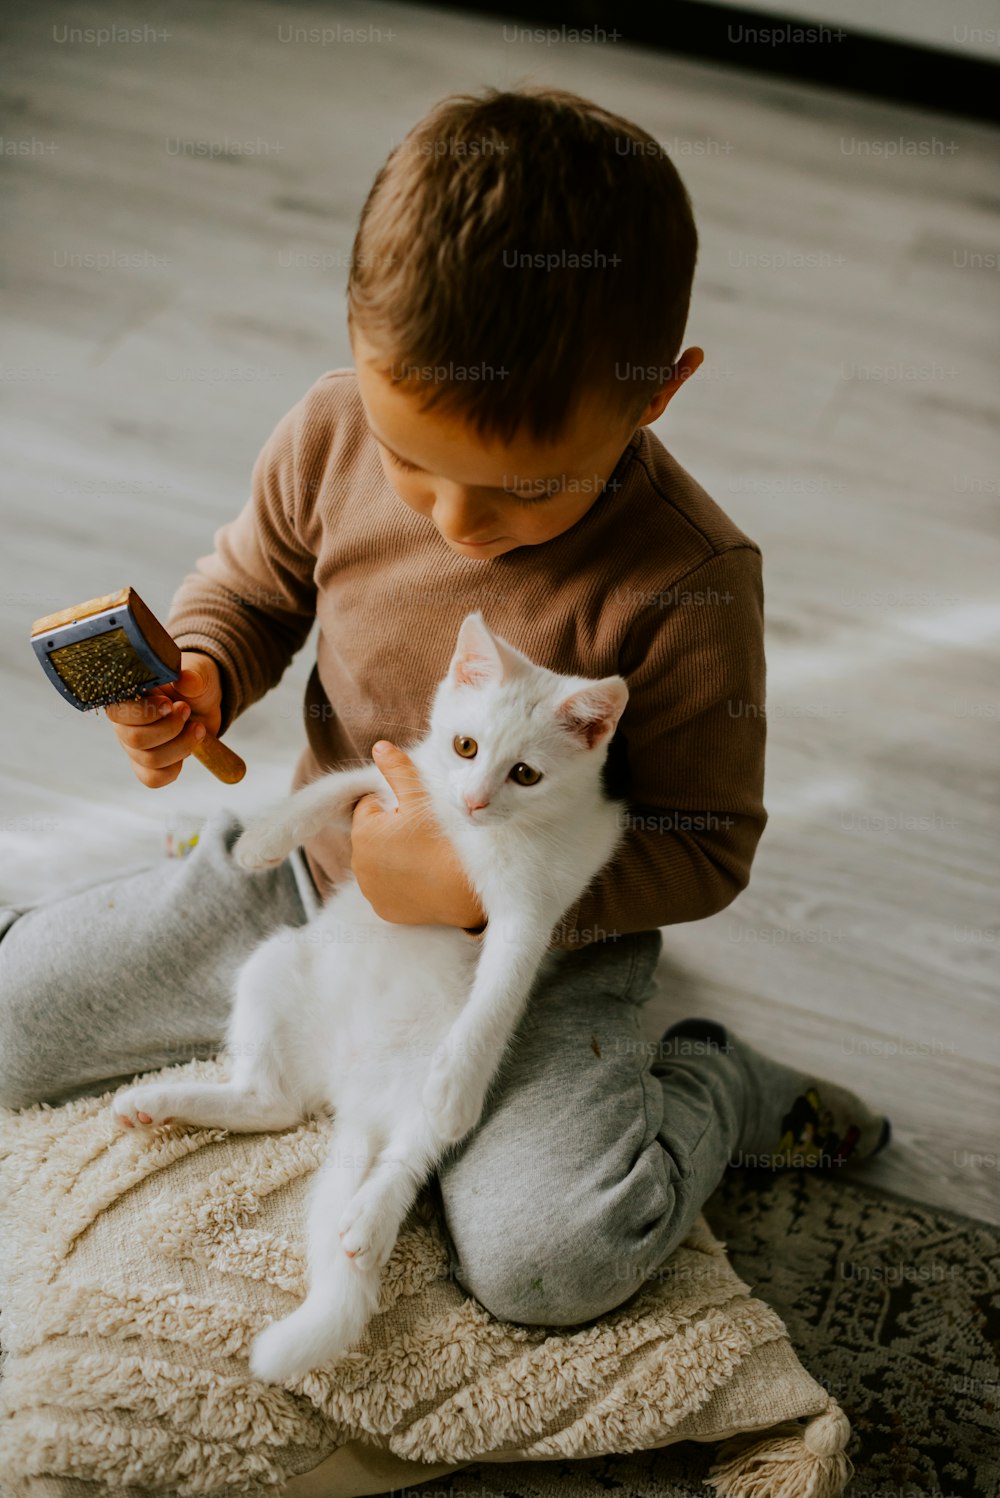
x=220 y=759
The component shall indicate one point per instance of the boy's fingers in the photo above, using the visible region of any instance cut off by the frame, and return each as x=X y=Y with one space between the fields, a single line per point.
x=194 y=686
x=140 y=710
x=158 y=731
x=159 y=757
x=369 y=806
x=155 y=778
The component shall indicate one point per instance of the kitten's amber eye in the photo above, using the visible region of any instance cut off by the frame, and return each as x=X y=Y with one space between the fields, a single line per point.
x=465 y=747
x=525 y=775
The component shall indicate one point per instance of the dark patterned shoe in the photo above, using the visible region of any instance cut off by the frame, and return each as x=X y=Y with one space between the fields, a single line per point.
x=791 y=1120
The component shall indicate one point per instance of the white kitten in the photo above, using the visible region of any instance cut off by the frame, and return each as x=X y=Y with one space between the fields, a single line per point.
x=401 y=1029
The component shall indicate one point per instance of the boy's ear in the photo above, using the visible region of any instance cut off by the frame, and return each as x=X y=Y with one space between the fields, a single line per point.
x=690 y=361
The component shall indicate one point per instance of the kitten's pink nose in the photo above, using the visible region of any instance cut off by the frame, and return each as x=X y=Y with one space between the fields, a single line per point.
x=475 y=805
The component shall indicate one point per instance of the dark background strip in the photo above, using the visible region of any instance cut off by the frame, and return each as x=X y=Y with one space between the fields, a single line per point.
x=779 y=46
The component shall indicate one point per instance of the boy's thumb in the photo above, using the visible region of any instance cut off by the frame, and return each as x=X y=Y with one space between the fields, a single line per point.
x=398 y=769
x=193 y=684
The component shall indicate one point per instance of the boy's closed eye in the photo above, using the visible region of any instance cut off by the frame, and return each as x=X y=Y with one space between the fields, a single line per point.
x=529 y=492
x=402 y=463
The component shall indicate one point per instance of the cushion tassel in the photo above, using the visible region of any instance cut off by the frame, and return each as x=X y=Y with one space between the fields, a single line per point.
x=792 y=1461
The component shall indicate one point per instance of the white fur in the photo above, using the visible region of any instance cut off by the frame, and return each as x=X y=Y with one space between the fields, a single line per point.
x=400 y=1030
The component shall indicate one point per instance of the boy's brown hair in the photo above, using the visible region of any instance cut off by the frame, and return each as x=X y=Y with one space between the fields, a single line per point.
x=520 y=251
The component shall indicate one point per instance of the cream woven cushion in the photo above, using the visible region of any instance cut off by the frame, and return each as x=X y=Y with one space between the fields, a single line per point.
x=135 y=1272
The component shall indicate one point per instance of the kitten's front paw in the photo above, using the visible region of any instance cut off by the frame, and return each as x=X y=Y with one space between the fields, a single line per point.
x=453 y=1102
x=143 y=1108
x=261 y=846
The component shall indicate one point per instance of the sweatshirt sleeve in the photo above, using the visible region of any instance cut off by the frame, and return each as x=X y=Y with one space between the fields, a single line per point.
x=251 y=603
x=688 y=757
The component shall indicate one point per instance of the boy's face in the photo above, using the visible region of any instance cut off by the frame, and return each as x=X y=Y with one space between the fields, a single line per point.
x=487 y=499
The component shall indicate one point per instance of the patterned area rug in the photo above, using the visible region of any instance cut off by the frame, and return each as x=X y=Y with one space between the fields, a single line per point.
x=894 y=1307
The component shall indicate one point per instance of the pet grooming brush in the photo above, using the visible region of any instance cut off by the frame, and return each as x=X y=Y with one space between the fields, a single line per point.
x=114 y=649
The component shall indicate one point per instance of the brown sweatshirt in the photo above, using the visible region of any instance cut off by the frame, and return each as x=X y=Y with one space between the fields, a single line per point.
x=654 y=582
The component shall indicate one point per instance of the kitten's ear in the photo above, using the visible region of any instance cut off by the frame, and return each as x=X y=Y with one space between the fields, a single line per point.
x=477 y=659
x=591 y=713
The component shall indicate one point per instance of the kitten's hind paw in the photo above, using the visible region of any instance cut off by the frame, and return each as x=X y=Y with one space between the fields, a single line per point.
x=260 y=846
x=277 y=1355
x=309 y=1337
x=142 y=1108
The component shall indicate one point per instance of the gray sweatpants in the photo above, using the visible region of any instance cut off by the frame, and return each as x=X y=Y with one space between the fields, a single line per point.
x=588 y=1167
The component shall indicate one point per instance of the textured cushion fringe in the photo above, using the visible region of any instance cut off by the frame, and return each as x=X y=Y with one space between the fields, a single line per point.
x=802 y=1461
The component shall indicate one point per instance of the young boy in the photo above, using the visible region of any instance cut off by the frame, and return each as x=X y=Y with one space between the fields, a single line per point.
x=517 y=299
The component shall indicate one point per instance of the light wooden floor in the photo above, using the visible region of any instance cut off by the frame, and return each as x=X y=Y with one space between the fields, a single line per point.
x=846 y=418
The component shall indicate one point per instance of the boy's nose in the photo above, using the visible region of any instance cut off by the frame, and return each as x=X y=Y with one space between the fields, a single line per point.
x=458 y=515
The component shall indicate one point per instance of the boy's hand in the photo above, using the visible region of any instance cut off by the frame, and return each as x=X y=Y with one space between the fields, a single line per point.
x=158 y=745
x=406 y=867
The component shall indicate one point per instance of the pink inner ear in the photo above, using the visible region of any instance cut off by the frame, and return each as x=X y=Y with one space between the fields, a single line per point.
x=591 y=716
x=477 y=658
x=473 y=670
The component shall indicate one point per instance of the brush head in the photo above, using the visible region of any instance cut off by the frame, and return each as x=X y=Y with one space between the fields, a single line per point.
x=108 y=650
x=103 y=669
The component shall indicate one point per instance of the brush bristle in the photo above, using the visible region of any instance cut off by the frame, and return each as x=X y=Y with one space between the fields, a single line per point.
x=103 y=670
